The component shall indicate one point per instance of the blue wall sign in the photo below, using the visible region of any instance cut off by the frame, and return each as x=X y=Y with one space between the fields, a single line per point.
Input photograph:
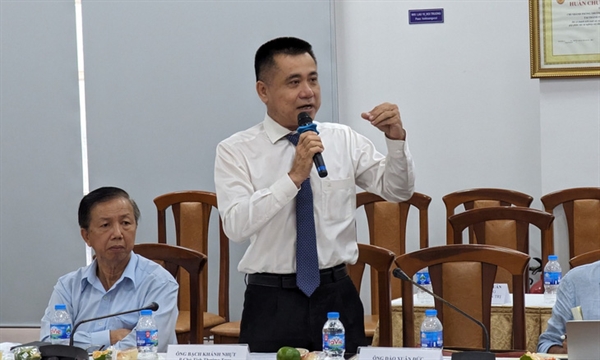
x=426 y=16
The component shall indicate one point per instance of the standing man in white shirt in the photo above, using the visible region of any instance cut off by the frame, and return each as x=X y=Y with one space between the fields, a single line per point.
x=263 y=173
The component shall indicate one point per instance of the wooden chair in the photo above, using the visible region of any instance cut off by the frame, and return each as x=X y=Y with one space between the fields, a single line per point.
x=173 y=258
x=478 y=198
x=387 y=223
x=582 y=212
x=518 y=238
x=464 y=275
x=191 y=213
x=380 y=260
x=585 y=258
x=227 y=333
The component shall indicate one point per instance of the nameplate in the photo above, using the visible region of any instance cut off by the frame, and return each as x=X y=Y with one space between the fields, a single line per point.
x=396 y=353
x=425 y=16
x=207 y=352
x=500 y=294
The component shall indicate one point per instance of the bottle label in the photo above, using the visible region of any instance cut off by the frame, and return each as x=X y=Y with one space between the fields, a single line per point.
x=552 y=278
x=432 y=339
x=423 y=278
x=147 y=337
x=335 y=343
x=60 y=331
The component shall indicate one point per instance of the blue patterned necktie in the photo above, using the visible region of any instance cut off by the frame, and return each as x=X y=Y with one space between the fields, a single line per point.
x=307 y=261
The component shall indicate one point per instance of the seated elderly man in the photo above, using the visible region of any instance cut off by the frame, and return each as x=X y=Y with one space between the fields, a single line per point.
x=117 y=280
x=579 y=287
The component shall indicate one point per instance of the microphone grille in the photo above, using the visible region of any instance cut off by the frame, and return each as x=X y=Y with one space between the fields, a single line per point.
x=304 y=118
x=153 y=306
x=401 y=274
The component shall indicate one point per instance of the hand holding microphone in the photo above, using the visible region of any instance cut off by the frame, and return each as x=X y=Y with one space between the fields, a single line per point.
x=305 y=124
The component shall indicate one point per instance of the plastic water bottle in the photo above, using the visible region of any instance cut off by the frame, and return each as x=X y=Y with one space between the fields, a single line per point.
x=334 y=338
x=552 y=276
x=432 y=331
x=422 y=278
x=147 y=336
x=60 y=325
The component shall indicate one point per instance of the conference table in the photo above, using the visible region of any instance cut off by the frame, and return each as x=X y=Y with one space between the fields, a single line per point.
x=273 y=356
x=537 y=314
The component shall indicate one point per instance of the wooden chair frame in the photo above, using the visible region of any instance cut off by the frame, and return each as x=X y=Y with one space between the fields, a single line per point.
x=387 y=222
x=469 y=198
x=418 y=200
x=585 y=258
x=567 y=198
x=490 y=257
x=523 y=216
x=380 y=260
x=173 y=258
x=197 y=239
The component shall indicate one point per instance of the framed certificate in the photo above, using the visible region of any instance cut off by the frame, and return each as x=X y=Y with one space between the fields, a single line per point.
x=565 y=38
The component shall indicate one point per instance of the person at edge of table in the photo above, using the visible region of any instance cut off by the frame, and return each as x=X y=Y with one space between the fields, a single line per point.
x=117 y=280
x=579 y=287
x=259 y=172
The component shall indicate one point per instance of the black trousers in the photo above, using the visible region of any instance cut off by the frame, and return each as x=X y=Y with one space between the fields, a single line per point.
x=284 y=316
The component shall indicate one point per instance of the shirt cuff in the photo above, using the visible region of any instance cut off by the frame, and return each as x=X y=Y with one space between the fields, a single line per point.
x=284 y=190
x=396 y=148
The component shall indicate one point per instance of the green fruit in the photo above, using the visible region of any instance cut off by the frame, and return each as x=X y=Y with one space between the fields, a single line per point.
x=288 y=353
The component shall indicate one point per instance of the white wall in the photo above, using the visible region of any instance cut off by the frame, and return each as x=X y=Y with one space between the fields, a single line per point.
x=471 y=110
x=570 y=129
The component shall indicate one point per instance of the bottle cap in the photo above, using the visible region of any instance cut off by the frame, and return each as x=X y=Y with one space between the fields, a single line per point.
x=431 y=312
x=552 y=257
x=60 y=307
x=146 y=312
x=333 y=315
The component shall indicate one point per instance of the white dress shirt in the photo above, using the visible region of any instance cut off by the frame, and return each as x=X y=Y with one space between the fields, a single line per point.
x=256 y=196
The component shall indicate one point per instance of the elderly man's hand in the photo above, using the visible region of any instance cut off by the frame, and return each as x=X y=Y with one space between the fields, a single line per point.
x=118 y=335
x=386 y=117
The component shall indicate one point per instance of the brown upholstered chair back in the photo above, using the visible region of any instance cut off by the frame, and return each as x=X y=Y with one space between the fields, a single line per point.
x=484 y=197
x=387 y=223
x=174 y=258
x=464 y=275
x=582 y=213
x=520 y=219
x=191 y=212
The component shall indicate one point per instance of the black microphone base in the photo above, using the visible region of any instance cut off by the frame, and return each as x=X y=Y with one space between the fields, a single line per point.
x=473 y=355
x=63 y=352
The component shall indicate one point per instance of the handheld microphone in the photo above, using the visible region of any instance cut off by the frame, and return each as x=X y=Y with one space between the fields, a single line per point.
x=56 y=352
x=465 y=355
x=305 y=124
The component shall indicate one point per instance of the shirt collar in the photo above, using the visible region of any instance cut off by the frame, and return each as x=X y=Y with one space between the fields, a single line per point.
x=89 y=273
x=90 y=276
x=274 y=131
x=130 y=269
